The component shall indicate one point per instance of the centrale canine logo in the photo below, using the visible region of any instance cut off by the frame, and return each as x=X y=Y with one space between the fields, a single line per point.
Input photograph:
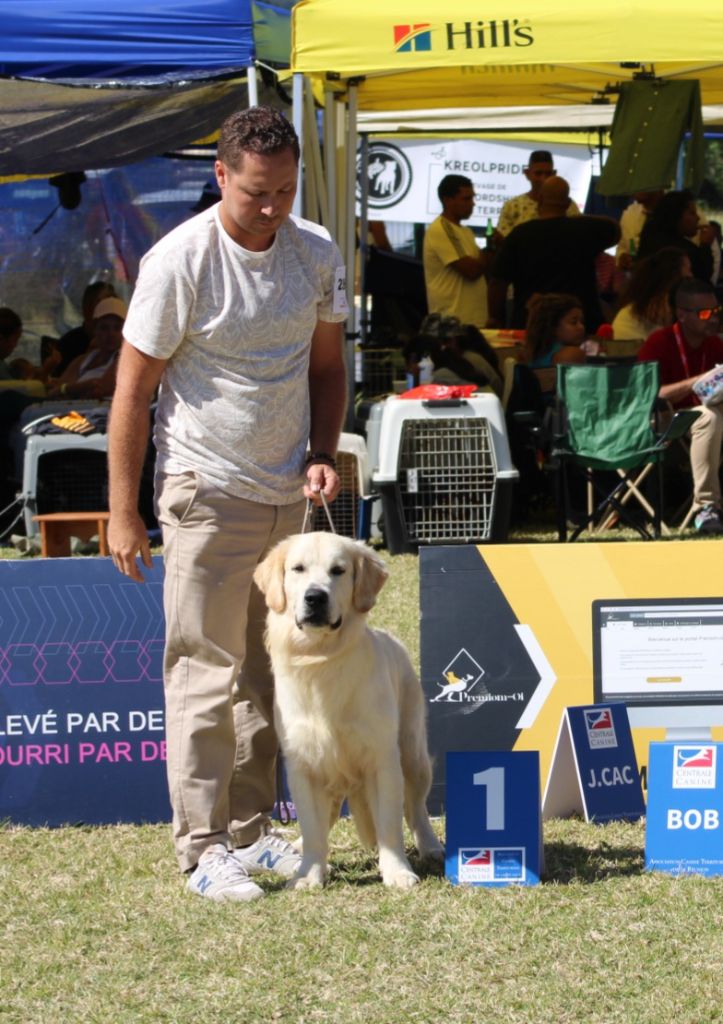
x=408 y=38
x=600 y=728
x=694 y=767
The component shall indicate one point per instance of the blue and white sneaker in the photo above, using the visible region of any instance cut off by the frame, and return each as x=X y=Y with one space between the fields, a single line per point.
x=708 y=520
x=270 y=852
x=219 y=876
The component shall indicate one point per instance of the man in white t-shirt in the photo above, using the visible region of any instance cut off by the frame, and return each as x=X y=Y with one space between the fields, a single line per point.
x=237 y=314
x=454 y=265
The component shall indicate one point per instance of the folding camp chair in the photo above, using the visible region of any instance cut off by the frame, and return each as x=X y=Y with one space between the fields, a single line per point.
x=605 y=422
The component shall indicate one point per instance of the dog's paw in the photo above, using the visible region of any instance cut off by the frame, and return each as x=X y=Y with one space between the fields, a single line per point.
x=433 y=853
x=305 y=882
x=401 y=880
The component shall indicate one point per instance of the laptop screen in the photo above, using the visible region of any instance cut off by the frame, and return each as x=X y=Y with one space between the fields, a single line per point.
x=658 y=651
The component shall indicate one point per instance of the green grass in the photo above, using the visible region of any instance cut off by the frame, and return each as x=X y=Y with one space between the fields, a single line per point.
x=97 y=928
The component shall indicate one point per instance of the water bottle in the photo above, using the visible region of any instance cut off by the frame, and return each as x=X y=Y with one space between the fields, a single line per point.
x=426 y=368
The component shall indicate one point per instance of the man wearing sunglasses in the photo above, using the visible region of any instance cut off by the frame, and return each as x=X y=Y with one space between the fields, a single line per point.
x=685 y=352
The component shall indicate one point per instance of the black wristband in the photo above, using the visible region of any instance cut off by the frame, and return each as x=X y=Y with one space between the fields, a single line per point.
x=321 y=457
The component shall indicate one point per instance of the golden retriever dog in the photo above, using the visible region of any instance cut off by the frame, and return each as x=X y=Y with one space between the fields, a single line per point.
x=348 y=705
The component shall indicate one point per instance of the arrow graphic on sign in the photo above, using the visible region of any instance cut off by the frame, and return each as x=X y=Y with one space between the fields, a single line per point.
x=545 y=672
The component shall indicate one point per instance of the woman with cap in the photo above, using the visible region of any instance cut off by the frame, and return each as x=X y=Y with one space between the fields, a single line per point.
x=92 y=375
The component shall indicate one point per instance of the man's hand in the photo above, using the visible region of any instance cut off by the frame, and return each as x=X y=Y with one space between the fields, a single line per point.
x=321 y=478
x=127 y=538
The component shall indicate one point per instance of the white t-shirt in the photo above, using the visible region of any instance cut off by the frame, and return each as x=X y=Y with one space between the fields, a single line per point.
x=236 y=327
x=448 y=292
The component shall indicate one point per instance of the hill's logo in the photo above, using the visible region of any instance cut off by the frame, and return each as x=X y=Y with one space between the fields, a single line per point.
x=694 y=767
x=389 y=175
x=600 y=728
x=464 y=35
x=409 y=38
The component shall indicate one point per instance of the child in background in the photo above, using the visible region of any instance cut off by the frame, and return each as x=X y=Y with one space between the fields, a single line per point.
x=555 y=331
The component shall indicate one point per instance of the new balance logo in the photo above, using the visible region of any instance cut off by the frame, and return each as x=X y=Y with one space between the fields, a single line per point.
x=203 y=883
x=269 y=859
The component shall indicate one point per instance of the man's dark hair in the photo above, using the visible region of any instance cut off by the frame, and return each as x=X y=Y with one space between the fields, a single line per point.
x=667 y=213
x=450 y=185
x=693 y=287
x=260 y=130
x=96 y=291
x=540 y=156
x=10 y=322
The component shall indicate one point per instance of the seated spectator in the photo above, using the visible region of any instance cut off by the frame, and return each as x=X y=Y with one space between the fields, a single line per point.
x=675 y=222
x=459 y=353
x=76 y=342
x=686 y=351
x=11 y=329
x=646 y=304
x=555 y=331
x=93 y=375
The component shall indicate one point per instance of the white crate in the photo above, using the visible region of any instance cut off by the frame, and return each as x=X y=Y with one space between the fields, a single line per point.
x=64 y=473
x=353 y=469
x=444 y=471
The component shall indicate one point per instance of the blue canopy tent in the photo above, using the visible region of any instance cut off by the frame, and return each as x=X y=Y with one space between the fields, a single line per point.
x=104 y=88
x=89 y=84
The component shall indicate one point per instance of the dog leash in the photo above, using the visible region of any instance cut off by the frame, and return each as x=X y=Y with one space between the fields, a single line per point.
x=308 y=516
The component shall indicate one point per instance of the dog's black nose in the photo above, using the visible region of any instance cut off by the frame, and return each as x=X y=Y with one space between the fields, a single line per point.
x=316 y=598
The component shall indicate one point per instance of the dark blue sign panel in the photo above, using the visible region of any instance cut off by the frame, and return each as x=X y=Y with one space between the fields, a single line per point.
x=82 y=731
x=494 y=827
x=606 y=764
x=684 y=833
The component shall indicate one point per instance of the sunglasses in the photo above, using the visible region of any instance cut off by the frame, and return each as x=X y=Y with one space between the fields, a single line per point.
x=704 y=314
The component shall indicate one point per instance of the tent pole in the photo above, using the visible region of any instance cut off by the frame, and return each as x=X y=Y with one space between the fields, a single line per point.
x=330 y=158
x=321 y=210
x=252 y=85
x=363 y=235
x=297 y=110
x=350 y=240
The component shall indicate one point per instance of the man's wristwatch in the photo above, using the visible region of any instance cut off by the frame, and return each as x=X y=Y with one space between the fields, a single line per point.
x=324 y=457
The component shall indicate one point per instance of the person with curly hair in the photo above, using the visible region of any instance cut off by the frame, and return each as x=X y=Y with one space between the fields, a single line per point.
x=675 y=222
x=555 y=331
x=646 y=304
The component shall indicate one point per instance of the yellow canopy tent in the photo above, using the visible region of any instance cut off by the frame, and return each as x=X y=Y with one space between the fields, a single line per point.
x=424 y=53
x=377 y=56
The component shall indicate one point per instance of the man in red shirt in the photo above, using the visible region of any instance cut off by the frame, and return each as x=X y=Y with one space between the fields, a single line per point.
x=685 y=352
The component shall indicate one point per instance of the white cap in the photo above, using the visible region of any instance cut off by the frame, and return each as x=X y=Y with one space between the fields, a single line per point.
x=110 y=307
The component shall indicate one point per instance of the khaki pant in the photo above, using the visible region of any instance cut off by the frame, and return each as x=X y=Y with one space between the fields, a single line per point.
x=706 y=436
x=221 y=741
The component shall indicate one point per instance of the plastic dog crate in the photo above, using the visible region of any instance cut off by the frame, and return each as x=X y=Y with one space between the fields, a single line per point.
x=64 y=473
x=346 y=509
x=444 y=472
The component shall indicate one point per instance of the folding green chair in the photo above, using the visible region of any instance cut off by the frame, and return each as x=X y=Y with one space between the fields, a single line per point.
x=605 y=422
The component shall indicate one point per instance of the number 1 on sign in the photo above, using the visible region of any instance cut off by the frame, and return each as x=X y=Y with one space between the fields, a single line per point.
x=493 y=779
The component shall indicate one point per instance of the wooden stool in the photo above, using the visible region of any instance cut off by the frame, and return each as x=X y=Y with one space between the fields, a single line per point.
x=56 y=529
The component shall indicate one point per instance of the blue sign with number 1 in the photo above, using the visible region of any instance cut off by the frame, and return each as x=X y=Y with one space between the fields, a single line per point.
x=494 y=826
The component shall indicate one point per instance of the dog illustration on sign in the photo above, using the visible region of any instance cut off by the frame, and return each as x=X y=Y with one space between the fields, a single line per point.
x=461 y=676
x=454 y=685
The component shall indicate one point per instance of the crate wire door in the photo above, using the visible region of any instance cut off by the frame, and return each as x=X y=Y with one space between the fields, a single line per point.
x=351 y=465
x=446 y=472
